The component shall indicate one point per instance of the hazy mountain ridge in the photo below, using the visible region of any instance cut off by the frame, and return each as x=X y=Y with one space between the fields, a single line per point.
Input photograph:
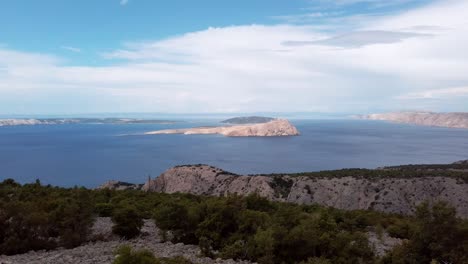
x=59 y=121
x=452 y=120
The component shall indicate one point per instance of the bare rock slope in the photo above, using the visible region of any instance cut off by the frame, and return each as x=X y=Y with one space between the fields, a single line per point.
x=387 y=190
x=277 y=127
x=452 y=120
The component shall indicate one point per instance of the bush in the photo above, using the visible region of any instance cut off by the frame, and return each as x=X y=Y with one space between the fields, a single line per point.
x=437 y=236
x=127 y=222
x=104 y=209
x=126 y=255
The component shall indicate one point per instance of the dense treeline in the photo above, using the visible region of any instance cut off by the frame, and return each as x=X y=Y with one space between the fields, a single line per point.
x=35 y=217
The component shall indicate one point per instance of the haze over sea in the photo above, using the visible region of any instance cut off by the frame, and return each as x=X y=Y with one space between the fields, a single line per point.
x=90 y=154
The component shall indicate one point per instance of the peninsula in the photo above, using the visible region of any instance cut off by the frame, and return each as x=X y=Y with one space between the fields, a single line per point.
x=61 y=121
x=277 y=127
x=451 y=120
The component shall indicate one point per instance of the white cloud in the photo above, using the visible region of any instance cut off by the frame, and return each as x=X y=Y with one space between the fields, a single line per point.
x=72 y=49
x=249 y=68
x=446 y=93
x=361 y=38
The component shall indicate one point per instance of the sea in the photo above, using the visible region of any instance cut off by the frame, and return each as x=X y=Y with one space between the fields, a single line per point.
x=90 y=154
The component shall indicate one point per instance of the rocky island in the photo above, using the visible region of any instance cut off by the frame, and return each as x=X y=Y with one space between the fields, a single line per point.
x=276 y=127
x=248 y=120
x=451 y=120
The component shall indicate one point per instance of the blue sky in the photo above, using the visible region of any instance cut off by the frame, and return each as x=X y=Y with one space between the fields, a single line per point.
x=353 y=56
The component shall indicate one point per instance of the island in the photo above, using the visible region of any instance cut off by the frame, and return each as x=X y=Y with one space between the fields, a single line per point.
x=248 y=120
x=451 y=120
x=276 y=127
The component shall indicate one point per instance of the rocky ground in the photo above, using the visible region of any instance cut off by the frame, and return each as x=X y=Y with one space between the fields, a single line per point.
x=102 y=251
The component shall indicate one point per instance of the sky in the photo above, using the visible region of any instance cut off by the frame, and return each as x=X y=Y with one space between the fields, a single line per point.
x=210 y=56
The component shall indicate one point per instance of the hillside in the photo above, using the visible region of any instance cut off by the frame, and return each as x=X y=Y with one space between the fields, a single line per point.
x=391 y=190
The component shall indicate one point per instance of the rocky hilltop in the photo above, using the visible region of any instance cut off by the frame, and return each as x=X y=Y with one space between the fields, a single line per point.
x=393 y=189
x=277 y=127
x=452 y=120
x=248 y=120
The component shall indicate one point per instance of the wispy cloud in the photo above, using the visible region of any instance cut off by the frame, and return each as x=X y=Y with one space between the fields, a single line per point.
x=123 y=2
x=446 y=93
x=72 y=49
x=360 y=38
x=248 y=68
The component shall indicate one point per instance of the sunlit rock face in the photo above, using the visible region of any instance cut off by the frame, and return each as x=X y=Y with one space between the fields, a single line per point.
x=387 y=194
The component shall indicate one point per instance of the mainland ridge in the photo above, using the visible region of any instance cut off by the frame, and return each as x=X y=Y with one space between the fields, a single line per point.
x=450 y=120
x=397 y=189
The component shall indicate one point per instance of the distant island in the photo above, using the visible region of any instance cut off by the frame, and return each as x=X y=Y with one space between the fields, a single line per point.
x=452 y=120
x=248 y=120
x=60 y=121
x=277 y=127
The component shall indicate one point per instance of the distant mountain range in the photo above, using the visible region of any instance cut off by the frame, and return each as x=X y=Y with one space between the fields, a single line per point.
x=59 y=121
x=452 y=120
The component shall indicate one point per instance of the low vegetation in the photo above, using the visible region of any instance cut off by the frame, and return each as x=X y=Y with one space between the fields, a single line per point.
x=404 y=172
x=34 y=217
x=127 y=255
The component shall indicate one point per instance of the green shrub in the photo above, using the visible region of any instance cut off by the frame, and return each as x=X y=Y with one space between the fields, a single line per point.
x=126 y=255
x=104 y=209
x=127 y=222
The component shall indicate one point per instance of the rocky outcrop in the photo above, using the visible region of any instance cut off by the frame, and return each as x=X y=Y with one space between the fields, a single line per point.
x=388 y=194
x=452 y=120
x=119 y=185
x=277 y=127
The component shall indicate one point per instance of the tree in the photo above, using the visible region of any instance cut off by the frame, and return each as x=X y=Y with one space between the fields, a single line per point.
x=437 y=235
x=127 y=222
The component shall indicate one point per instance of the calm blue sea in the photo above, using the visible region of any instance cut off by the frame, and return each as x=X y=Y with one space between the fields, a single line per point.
x=88 y=155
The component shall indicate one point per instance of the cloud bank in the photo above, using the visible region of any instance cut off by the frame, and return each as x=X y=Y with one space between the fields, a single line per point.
x=377 y=66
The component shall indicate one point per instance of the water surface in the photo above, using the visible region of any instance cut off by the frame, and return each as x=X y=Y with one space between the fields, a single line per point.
x=88 y=155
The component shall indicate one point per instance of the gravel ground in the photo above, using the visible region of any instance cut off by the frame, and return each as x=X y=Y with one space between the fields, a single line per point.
x=103 y=251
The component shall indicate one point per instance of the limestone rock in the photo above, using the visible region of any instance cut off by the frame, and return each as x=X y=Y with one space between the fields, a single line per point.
x=387 y=194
